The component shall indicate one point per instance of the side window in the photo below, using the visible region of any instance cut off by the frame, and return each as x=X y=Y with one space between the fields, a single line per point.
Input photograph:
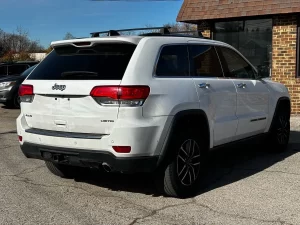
x=204 y=61
x=16 y=69
x=234 y=65
x=3 y=70
x=173 y=61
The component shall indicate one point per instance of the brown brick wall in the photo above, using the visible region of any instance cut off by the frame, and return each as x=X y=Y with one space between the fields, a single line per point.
x=284 y=56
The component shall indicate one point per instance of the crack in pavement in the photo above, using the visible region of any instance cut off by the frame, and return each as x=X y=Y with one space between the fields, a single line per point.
x=26 y=171
x=242 y=217
x=154 y=212
x=149 y=212
x=8 y=146
x=91 y=194
x=9 y=132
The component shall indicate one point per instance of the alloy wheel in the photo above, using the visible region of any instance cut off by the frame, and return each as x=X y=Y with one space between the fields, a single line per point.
x=188 y=162
x=283 y=130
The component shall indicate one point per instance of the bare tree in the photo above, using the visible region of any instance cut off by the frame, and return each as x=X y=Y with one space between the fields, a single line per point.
x=69 y=36
x=174 y=27
x=17 y=42
x=181 y=27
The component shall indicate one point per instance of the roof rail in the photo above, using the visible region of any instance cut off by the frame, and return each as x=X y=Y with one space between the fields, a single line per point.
x=163 y=30
x=177 y=34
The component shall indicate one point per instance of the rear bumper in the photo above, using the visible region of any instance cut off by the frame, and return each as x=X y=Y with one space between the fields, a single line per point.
x=145 y=136
x=92 y=159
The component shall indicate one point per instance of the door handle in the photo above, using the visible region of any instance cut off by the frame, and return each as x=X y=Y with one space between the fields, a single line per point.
x=241 y=85
x=203 y=85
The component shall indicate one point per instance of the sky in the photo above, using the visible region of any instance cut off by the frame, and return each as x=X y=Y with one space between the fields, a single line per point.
x=50 y=20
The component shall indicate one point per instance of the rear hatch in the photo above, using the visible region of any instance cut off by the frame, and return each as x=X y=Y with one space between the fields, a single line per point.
x=63 y=82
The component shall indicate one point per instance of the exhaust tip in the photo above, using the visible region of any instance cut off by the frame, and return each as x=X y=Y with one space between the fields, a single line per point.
x=106 y=167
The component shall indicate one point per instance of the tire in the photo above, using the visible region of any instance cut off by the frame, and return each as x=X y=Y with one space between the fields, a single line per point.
x=14 y=103
x=280 y=131
x=182 y=175
x=60 y=170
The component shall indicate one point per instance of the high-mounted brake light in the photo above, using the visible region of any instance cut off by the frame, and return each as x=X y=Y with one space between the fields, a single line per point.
x=26 y=93
x=82 y=43
x=120 y=95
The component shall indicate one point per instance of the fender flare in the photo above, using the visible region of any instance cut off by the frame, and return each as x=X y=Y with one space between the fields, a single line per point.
x=171 y=131
x=281 y=99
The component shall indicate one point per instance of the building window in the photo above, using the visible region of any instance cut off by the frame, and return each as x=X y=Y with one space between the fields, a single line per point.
x=253 y=38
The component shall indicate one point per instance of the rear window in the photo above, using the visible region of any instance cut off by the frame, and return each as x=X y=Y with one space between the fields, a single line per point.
x=100 y=62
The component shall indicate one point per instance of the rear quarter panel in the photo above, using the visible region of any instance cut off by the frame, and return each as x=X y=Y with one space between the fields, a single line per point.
x=277 y=91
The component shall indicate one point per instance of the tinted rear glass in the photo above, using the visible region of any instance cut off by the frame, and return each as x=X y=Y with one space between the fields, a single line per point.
x=101 y=62
x=27 y=72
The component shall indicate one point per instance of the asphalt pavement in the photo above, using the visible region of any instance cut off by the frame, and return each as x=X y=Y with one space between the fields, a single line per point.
x=244 y=185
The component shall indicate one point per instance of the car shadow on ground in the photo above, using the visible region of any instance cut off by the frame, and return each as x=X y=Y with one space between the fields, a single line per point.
x=225 y=166
x=7 y=107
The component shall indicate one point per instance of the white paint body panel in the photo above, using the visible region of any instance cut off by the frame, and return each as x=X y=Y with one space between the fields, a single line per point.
x=252 y=104
x=146 y=128
x=219 y=102
x=76 y=112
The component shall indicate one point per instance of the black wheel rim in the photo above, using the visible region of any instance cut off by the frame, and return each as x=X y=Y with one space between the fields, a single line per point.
x=17 y=101
x=188 y=162
x=283 y=130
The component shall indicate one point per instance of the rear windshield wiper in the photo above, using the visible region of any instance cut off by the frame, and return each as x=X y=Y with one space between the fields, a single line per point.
x=79 y=73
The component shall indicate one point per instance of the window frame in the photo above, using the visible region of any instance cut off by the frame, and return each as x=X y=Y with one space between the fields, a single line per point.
x=222 y=60
x=217 y=54
x=154 y=75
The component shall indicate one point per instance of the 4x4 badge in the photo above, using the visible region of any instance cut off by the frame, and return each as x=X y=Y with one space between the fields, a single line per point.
x=58 y=87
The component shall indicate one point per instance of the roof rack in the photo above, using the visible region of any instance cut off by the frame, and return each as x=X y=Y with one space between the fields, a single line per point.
x=163 y=30
x=177 y=34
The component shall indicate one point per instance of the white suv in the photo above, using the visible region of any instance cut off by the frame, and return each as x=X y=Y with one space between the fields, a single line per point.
x=146 y=104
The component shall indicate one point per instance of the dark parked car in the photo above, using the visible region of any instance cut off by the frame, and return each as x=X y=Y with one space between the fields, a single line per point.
x=16 y=68
x=9 y=87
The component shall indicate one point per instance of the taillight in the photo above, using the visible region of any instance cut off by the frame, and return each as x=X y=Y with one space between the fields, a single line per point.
x=26 y=93
x=120 y=95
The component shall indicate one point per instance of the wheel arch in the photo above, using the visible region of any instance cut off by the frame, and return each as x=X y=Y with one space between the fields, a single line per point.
x=181 y=119
x=281 y=102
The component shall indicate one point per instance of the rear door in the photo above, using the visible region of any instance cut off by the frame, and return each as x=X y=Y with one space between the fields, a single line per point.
x=252 y=94
x=62 y=84
x=216 y=94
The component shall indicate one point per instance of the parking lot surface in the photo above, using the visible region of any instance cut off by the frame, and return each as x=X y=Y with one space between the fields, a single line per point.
x=244 y=185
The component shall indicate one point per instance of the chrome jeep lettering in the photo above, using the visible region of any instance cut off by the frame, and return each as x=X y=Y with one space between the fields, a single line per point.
x=58 y=87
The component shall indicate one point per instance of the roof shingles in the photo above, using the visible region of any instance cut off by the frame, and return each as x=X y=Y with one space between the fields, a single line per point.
x=213 y=9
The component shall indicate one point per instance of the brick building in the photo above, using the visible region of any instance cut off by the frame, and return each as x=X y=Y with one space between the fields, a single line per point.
x=267 y=32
